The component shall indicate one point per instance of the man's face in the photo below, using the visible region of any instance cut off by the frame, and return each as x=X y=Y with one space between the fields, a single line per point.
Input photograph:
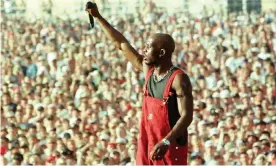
x=3 y=133
x=244 y=158
x=151 y=52
x=18 y=114
x=256 y=150
x=5 y=88
x=132 y=150
x=226 y=138
x=265 y=147
x=251 y=139
x=71 y=145
x=51 y=144
x=17 y=98
x=22 y=140
x=214 y=118
x=12 y=130
x=121 y=146
x=6 y=99
x=210 y=150
x=202 y=83
x=52 y=133
x=45 y=92
x=32 y=141
x=116 y=156
x=230 y=121
x=4 y=143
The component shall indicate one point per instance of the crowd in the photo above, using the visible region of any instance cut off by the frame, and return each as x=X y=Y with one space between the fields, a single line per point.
x=69 y=97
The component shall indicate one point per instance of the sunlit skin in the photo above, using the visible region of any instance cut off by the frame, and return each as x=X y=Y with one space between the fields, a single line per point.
x=158 y=54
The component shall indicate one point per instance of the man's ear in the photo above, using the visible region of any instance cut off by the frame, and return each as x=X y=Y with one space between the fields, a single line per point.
x=162 y=52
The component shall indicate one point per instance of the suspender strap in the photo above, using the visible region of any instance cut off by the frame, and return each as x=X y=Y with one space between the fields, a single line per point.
x=167 y=92
x=147 y=79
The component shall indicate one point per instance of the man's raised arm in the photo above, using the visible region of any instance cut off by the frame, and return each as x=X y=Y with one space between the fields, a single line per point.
x=118 y=39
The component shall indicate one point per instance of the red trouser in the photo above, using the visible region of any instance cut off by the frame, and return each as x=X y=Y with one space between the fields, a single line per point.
x=155 y=126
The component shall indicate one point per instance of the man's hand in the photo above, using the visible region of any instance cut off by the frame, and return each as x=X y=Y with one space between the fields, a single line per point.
x=93 y=11
x=159 y=151
x=118 y=39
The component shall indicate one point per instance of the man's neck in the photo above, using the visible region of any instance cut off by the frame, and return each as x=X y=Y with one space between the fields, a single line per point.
x=162 y=68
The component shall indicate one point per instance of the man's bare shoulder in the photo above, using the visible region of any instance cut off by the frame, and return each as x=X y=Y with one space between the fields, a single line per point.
x=182 y=82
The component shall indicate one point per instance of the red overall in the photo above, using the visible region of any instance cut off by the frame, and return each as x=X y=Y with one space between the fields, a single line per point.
x=155 y=126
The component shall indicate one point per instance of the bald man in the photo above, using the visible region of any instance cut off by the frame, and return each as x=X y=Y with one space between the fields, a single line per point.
x=167 y=109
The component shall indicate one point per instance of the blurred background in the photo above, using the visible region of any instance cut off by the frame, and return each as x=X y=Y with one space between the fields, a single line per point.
x=75 y=7
x=69 y=97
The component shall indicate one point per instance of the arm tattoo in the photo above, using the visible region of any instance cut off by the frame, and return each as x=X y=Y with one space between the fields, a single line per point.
x=186 y=88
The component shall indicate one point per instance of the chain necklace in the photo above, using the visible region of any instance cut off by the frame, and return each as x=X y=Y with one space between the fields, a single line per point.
x=158 y=78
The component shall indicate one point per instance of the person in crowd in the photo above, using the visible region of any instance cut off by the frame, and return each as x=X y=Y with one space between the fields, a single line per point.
x=69 y=97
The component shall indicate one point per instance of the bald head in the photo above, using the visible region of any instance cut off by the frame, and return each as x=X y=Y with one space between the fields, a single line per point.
x=159 y=49
x=164 y=41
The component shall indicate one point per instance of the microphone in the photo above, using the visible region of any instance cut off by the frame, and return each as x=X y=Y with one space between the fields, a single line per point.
x=91 y=19
x=90 y=5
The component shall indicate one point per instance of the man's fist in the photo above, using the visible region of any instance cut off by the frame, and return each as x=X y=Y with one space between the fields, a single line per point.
x=92 y=9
